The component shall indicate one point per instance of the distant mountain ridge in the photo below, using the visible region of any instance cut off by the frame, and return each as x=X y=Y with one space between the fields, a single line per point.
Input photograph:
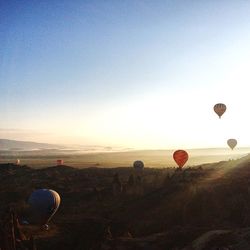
x=6 y=144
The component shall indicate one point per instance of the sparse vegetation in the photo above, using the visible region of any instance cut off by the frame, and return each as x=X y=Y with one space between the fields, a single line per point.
x=165 y=208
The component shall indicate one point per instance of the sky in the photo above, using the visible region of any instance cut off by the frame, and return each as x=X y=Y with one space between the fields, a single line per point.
x=130 y=73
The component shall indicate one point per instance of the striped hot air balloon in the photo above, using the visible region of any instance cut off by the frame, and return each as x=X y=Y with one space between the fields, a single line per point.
x=232 y=143
x=220 y=109
x=180 y=157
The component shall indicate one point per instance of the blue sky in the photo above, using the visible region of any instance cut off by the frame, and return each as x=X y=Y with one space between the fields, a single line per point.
x=142 y=74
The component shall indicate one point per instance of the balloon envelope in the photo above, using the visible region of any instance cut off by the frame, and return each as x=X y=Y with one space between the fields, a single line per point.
x=44 y=204
x=180 y=157
x=220 y=109
x=139 y=165
x=232 y=143
x=59 y=162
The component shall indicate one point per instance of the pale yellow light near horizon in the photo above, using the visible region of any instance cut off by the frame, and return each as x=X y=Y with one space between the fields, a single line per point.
x=181 y=117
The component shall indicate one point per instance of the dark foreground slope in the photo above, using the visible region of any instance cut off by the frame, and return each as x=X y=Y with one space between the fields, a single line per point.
x=200 y=208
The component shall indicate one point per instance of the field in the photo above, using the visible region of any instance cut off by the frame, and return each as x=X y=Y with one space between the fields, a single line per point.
x=151 y=158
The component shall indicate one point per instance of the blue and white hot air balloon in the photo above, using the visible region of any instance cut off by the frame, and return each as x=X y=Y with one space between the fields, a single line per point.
x=44 y=204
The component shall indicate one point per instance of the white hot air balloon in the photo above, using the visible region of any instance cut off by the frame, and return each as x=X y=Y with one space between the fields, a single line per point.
x=44 y=204
x=232 y=143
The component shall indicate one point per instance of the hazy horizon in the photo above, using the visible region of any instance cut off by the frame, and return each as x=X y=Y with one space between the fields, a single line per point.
x=102 y=148
x=82 y=157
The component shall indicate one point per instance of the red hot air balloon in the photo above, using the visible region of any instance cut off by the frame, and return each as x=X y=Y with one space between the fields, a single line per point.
x=180 y=157
x=59 y=162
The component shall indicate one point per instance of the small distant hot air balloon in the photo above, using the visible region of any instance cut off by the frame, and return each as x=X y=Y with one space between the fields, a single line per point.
x=44 y=204
x=17 y=162
x=59 y=162
x=180 y=157
x=220 y=109
x=232 y=143
x=139 y=165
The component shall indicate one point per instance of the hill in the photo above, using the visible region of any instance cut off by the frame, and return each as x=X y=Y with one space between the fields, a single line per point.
x=6 y=144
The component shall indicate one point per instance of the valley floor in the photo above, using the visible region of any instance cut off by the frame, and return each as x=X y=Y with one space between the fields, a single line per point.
x=203 y=207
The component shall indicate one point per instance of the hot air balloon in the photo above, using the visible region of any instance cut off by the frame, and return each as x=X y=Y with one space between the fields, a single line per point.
x=180 y=157
x=232 y=143
x=17 y=162
x=138 y=165
x=220 y=109
x=59 y=162
x=44 y=204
